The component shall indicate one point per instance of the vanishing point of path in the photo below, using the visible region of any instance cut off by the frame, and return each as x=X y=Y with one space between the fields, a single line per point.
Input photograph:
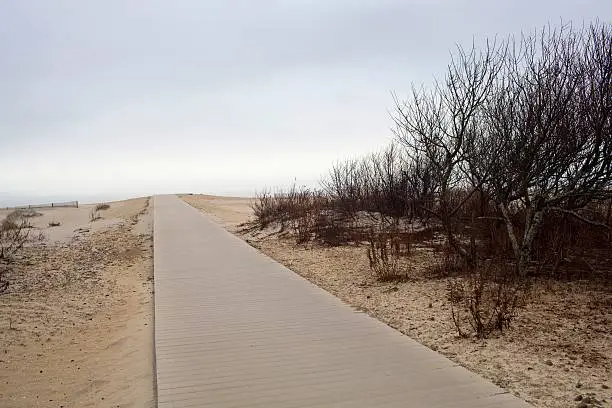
x=233 y=328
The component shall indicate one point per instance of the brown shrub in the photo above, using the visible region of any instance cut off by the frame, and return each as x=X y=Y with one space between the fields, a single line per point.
x=384 y=253
x=486 y=299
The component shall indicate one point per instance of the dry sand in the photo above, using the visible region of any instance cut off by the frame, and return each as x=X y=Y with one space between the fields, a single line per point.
x=558 y=351
x=227 y=211
x=76 y=323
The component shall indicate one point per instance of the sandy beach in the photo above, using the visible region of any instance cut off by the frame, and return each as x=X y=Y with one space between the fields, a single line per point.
x=441 y=171
x=76 y=320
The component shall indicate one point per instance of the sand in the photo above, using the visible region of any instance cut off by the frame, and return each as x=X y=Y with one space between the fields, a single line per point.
x=227 y=211
x=557 y=352
x=76 y=321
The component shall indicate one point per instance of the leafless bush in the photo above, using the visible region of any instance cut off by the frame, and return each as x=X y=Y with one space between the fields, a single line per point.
x=548 y=145
x=568 y=248
x=346 y=186
x=486 y=299
x=525 y=125
x=304 y=225
x=384 y=253
x=102 y=207
x=296 y=208
x=265 y=208
x=509 y=157
x=447 y=263
x=15 y=233
x=4 y=284
x=435 y=127
x=375 y=184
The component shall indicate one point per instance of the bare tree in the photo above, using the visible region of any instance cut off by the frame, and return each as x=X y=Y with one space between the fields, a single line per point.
x=546 y=144
x=435 y=126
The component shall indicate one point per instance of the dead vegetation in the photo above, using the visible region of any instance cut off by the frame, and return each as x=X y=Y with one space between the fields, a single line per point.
x=77 y=310
x=15 y=233
x=486 y=300
x=563 y=322
x=504 y=168
x=94 y=214
x=102 y=207
x=485 y=230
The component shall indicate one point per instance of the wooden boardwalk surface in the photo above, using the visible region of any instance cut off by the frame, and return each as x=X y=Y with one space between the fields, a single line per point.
x=233 y=328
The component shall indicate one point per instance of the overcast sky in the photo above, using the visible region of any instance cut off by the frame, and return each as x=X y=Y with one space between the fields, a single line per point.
x=124 y=98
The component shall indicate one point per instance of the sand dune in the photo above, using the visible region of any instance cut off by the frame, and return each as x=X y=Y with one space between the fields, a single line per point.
x=76 y=321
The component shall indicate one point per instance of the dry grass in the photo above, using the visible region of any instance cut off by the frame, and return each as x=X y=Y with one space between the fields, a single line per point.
x=102 y=207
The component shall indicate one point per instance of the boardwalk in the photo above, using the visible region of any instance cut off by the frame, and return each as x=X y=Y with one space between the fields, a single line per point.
x=233 y=328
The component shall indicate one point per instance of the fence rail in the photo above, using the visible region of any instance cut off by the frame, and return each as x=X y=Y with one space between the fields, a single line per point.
x=48 y=205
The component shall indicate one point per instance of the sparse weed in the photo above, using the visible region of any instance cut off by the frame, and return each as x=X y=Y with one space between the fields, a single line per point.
x=486 y=299
x=384 y=253
x=94 y=214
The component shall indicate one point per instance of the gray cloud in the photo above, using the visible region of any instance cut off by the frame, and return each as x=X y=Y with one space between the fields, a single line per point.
x=75 y=73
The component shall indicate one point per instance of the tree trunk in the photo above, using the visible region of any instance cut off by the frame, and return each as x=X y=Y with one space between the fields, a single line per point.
x=527 y=246
x=511 y=234
x=522 y=250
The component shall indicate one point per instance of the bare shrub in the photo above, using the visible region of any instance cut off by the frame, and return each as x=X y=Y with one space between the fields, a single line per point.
x=568 y=248
x=447 y=263
x=376 y=184
x=384 y=253
x=15 y=233
x=304 y=225
x=517 y=132
x=486 y=299
x=4 y=284
x=265 y=208
x=296 y=208
x=509 y=156
x=435 y=126
x=546 y=145
x=331 y=228
x=102 y=207
x=346 y=185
